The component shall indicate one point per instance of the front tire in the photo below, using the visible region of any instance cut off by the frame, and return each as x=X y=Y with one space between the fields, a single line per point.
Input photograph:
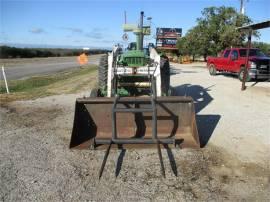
x=212 y=70
x=241 y=75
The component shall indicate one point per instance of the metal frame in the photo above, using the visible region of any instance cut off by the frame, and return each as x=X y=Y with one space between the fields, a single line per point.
x=153 y=109
x=154 y=74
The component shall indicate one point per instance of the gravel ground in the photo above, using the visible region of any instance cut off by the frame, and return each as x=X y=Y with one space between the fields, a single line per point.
x=232 y=165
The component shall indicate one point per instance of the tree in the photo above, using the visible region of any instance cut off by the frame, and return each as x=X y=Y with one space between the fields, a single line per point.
x=182 y=46
x=215 y=31
x=264 y=47
x=191 y=43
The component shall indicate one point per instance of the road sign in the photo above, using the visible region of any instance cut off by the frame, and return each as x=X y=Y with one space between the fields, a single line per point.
x=82 y=59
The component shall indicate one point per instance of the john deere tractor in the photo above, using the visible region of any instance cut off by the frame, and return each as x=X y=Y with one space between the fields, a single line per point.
x=132 y=105
x=138 y=70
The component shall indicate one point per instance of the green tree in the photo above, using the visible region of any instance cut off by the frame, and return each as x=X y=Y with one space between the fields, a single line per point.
x=192 y=43
x=264 y=47
x=182 y=46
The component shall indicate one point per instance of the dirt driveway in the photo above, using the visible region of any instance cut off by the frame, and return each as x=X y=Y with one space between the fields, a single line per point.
x=233 y=165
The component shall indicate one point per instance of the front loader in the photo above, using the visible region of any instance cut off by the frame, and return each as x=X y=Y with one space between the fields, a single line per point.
x=134 y=105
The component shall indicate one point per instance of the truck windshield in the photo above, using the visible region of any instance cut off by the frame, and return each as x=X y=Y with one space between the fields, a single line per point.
x=252 y=52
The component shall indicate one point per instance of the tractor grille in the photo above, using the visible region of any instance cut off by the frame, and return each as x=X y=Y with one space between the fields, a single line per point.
x=135 y=61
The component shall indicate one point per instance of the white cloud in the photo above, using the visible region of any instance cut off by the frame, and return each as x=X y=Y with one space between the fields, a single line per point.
x=37 y=31
x=73 y=29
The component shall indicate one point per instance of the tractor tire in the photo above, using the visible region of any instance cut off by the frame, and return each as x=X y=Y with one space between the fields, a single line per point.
x=103 y=72
x=241 y=75
x=212 y=70
x=165 y=75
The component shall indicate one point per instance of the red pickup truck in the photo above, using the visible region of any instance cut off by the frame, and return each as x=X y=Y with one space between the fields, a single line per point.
x=233 y=60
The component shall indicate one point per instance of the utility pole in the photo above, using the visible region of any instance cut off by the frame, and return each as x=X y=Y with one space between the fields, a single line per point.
x=242 y=6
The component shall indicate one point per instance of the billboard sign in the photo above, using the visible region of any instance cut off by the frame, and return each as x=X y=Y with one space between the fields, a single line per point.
x=167 y=37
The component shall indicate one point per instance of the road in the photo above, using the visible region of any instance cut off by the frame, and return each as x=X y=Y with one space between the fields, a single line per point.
x=23 y=68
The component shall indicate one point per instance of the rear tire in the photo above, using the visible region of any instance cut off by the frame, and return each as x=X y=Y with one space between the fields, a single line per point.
x=103 y=72
x=165 y=75
x=241 y=75
x=212 y=70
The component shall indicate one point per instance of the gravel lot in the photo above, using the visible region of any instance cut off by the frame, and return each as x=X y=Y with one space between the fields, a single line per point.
x=232 y=165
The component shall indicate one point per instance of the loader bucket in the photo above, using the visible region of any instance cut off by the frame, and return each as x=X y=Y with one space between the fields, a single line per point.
x=175 y=119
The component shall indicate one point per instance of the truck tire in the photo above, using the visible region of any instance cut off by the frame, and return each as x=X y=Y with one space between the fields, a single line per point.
x=103 y=72
x=165 y=75
x=212 y=70
x=241 y=75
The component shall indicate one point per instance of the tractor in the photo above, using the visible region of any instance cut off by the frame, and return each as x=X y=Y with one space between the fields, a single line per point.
x=134 y=105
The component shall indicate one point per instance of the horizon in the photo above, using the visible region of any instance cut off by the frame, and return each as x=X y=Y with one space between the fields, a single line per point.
x=50 y=46
x=98 y=24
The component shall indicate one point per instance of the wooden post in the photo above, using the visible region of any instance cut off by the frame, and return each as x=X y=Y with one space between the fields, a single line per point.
x=5 y=79
x=247 y=60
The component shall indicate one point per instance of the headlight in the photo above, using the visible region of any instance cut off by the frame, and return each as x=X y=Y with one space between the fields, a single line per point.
x=252 y=65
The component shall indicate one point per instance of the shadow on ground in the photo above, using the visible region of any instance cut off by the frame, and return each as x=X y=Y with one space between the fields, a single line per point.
x=174 y=71
x=206 y=123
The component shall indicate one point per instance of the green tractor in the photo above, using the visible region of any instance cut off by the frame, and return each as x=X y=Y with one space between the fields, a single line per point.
x=131 y=106
x=137 y=70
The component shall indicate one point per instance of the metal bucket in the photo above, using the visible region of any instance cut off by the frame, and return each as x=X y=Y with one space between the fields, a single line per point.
x=175 y=119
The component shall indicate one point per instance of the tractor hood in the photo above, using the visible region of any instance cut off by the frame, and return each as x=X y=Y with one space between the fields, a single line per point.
x=134 y=58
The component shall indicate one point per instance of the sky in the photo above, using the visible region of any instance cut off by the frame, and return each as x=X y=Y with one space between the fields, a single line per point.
x=96 y=23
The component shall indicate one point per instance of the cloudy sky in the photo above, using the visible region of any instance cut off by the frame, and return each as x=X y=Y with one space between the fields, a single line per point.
x=98 y=23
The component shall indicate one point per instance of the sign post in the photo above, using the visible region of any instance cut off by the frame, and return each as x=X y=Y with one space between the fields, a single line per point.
x=82 y=59
x=5 y=79
x=247 y=60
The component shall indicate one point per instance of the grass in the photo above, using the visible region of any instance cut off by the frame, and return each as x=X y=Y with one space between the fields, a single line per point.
x=58 y=83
